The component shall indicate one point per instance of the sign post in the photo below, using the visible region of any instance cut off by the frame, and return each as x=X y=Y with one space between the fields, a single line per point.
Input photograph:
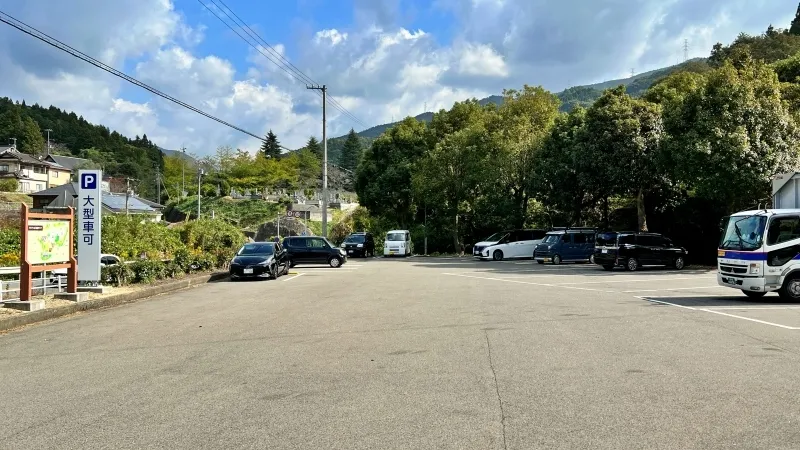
x=46 y=244
x=89 y=225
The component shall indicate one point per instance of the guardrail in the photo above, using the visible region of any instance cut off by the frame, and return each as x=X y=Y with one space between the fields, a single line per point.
x=9 y=290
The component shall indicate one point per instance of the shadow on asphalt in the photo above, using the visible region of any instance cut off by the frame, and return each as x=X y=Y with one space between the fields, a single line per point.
x=523 y=267
x=724 y=301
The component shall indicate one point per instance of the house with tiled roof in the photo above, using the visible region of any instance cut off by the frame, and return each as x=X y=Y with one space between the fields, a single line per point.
x=67 y=195
x=32 y=174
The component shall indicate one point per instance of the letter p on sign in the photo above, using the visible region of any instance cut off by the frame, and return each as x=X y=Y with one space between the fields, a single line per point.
x=88 y=181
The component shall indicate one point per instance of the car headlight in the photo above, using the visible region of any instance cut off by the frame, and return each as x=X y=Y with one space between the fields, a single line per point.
x=360 y=245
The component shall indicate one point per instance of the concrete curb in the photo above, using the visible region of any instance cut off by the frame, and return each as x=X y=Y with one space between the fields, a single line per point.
x=19 y=320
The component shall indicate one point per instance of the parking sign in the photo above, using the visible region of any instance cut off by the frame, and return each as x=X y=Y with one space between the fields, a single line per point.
x=89 y=222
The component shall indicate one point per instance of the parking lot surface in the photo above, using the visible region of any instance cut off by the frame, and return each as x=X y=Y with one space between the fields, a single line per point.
x=415 y=353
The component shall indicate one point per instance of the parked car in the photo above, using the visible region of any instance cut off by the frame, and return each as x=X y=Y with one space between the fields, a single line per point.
x=359 y=244
x=105 y=260
x=313 y=250
x=566 y=245
x=397 y=243
x=633 y=250
x=508 y=245
x=259 y=260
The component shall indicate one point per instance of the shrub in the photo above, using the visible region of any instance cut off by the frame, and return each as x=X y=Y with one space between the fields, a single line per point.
x=147 y=271
x=9 y=185
x=173 y=270
x=9 y=240
x=118 y=275
x=131 y=236
x=183 y=260
x=202 y=261
x=9 y=259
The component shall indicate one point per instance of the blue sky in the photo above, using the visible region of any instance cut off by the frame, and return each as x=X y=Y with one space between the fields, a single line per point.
x=382 y=59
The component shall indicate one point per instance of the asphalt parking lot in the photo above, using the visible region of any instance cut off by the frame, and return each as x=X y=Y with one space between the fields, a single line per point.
x=415 y=353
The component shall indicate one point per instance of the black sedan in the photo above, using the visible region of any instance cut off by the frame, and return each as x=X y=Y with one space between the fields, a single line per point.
x=259 y=260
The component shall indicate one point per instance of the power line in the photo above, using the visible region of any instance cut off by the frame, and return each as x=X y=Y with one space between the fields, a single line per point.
x=293 y=70
x=287 y=66
x=33 y=32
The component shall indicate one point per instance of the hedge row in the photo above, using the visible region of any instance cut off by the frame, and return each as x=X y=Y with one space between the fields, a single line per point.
x=147 y=271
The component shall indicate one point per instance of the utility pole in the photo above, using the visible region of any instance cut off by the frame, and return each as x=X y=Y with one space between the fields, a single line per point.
x=324 y=90
x=199 y=182
x=48 y=139
x=633 y=73
x=158 y=184
x=127 y=194
x=183 y=171
x=14 y=145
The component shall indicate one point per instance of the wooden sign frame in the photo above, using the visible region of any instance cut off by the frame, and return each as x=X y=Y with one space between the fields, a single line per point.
x=27 y=269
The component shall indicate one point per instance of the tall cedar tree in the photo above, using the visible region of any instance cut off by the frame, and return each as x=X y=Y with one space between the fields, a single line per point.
x=315 y=147
x=271 y=148
x=351 y=152
x=795 y=28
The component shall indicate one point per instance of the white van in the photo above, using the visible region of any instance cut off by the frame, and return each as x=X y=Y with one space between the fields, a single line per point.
x=397 y=243
x=510 y=244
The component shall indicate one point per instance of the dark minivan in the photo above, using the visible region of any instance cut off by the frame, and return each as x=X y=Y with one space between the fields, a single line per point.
x=362 y=244
x=313 y=250
x=633 y=250
x=566 y=245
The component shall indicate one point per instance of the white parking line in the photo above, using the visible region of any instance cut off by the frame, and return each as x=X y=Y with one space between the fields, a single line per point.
x=292 y=278
x=527 y=282
x=764 y=322
x=756 y=308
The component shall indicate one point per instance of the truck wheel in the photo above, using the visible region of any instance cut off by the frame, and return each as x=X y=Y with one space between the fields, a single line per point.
x=790 y=291
x=754 y=295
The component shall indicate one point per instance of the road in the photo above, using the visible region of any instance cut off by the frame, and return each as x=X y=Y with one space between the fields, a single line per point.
x=412 y=354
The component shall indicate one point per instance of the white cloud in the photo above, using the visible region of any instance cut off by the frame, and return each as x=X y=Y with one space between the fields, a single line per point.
x=380 y=68
x=481 y=60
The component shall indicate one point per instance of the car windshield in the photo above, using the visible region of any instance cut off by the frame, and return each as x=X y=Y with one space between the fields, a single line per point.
x=606 y=239
x=551 y=238
x=743 y=233
x=355 y=239
x=330 y=244
x=396 y=237
x=497 y=237
x=256 y=249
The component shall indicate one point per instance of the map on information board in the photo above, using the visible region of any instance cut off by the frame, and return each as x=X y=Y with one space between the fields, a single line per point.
x=48 y=241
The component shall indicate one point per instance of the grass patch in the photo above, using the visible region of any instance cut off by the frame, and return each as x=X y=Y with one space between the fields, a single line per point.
x=15 y=197
x=246 y=214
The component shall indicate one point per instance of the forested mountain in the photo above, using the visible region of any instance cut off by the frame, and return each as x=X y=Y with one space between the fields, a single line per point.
x=72 y=135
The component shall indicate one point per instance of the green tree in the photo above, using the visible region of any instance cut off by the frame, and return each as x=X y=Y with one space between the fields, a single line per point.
x=794 y=29
x=351 y=152
x=271 y=148
x=453 y=175
x=735 y=134
x=628 y=130
x=383 y=177
x=526 y=118
x=30 y=137
x=314 y=147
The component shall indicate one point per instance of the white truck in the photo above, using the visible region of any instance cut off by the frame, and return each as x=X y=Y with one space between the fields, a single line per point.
x=759 y=252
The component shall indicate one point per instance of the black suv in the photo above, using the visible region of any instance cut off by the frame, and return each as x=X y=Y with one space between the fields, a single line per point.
x=633 y=250
x=313 y=250
x=362 y=244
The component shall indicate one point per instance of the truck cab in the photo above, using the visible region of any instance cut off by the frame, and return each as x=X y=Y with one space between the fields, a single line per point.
x=759 y=252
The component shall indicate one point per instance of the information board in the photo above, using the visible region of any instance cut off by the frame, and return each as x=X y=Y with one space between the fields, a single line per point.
x=48 y=241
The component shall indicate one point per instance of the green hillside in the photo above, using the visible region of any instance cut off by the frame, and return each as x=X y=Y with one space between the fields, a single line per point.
x=570 y=98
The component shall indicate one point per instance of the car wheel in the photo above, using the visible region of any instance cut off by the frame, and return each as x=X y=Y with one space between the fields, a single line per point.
x=540 y=262
x=497 y=255
x=790 y=291
x=286 y=269
x=608 y=268
x=335 y=262
x=591 y=259
x=679 y=263
x=292 y=263
x=754 y=295
x=556 y=260
x=275 y=272
x=632 y=264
